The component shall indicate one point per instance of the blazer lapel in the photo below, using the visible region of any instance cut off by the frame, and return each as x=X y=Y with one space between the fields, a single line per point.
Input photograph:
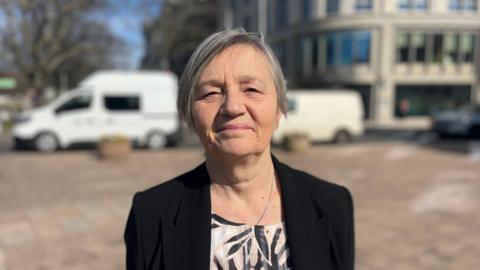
x=307 y=230
x=187 y=240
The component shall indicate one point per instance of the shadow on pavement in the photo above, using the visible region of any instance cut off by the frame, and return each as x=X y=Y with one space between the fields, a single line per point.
x=423 y=138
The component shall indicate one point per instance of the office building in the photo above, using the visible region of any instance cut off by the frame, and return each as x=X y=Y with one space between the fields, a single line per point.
x=422 y=53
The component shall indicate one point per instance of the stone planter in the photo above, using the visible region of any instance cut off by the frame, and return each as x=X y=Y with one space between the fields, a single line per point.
x=297 y=142
x=114 y=148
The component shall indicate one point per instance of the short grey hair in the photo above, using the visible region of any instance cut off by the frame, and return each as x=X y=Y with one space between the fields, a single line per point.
x=211 y=47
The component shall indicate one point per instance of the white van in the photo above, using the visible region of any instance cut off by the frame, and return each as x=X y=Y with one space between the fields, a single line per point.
x=140 y=105
x=322 y=115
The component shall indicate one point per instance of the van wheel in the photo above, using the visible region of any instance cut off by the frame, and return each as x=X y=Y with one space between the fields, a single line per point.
x=342 y=136
x=156 y=140
x=46 y=142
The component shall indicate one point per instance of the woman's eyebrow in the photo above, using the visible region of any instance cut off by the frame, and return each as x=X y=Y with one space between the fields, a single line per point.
x=250 y=79
x=247 y=78
x=212 y=82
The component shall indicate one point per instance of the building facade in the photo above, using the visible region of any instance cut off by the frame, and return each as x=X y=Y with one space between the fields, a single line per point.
x=405 y=57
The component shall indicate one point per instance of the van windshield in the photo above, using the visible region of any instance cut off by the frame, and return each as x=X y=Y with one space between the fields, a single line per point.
x=75 y=103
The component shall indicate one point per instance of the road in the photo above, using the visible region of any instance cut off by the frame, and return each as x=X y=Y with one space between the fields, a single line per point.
x=416 y=201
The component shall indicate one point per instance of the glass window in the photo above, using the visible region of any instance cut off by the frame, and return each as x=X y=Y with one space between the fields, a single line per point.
x=419 y=43
x=332 y=6
x=454 y=5
x=235 y=8
x=247 y=23
x=322 y=50
x=300 y=55
x=452 y=43
x=427 y=98
x=346 y=39
x=449 y=48
x=331 y=42
x=403 y=4
x=403 y=41
x=306 y=10
x=467 y=46
x=75 y=103
x=122 y=103
x=363 y=5
x=281 y=19
x=361 y=53
x=314 y=53
x=419 y=5
x=270 y=17
x=437 y=48
x=348 y=47
x=468 y=5
x=280 y=52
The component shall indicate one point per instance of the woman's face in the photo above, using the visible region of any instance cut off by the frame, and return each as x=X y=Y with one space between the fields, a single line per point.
x=235 y=109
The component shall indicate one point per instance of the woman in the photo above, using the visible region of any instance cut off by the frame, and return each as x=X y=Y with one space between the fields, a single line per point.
x=241 y=208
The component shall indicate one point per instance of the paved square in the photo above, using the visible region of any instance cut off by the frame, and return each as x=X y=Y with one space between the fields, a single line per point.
x=416 y=202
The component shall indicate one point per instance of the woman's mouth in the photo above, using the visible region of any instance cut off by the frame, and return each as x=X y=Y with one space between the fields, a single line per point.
x=234 y=127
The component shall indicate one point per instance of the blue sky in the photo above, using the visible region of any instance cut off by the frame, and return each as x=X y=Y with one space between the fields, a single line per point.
x=125 y=18
x=127 y=23
x=129 y=28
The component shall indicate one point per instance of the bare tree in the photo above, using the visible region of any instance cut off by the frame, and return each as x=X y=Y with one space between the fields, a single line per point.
x=43 y=39
x=177 y=31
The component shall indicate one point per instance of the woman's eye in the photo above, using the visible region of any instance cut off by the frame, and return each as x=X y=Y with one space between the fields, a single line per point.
x=210 y=94
x=250 y=89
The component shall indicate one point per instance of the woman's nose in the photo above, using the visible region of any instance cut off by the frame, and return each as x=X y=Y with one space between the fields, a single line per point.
x=232 y=105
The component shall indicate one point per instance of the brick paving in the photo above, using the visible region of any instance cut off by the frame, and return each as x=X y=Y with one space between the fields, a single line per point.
x=416 y=202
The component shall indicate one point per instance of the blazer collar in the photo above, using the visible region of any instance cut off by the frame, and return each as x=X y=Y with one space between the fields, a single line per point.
x=307 y=229
x=186 y=242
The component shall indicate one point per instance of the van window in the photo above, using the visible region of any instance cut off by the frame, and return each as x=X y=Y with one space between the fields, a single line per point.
x=122 y=103
x=75 y=103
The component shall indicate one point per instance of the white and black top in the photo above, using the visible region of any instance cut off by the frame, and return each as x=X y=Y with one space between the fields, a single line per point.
x=236 y=246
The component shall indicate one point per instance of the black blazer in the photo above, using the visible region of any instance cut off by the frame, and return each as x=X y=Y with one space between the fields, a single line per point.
x=169 y=224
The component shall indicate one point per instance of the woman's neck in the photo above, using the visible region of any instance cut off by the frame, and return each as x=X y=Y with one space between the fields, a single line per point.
x=244 y=177
x=246 y=190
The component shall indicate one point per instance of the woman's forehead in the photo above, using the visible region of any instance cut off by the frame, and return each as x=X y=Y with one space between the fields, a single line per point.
x=242 y=62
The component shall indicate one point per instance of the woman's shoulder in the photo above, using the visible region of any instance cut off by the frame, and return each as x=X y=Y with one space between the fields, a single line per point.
x=325 y=195
x=320 y=186
x=313 y=184
x=332 y=199
x=168 y=193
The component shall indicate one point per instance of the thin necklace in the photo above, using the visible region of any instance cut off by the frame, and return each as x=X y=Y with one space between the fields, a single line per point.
x=269 y=200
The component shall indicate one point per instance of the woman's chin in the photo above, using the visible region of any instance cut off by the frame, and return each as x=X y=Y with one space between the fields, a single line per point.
x=237 y=149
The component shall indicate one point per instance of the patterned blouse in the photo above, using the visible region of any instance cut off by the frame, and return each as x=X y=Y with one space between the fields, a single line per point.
x=236 y=246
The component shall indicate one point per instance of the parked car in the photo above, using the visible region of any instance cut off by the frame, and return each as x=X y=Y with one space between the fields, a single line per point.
x=322 y=115
x=461 y=122
x=139 y=105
